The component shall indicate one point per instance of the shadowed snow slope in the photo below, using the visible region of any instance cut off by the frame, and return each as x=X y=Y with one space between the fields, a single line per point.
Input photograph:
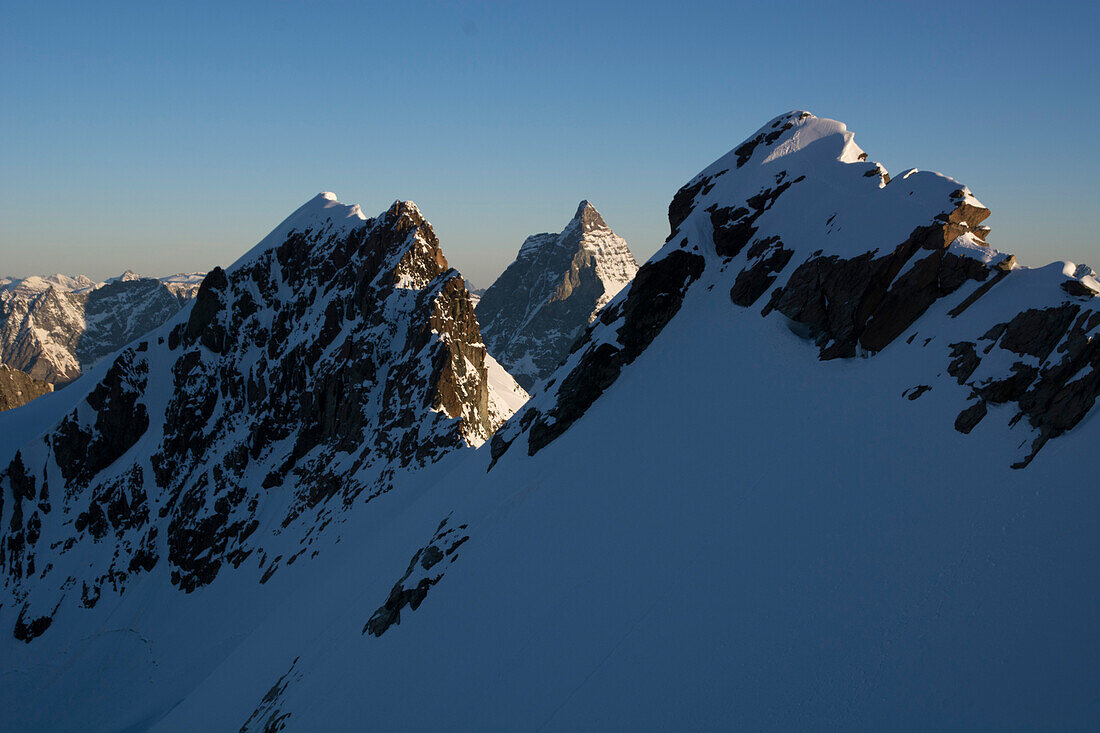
x=714 y=515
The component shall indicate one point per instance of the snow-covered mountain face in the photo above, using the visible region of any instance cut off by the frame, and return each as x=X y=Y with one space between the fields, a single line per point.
x=796 y=225
x=742 y=502
x=558 y=283
x=756 y=496
x=18 y=388
x=339 y=352
x=56 y=327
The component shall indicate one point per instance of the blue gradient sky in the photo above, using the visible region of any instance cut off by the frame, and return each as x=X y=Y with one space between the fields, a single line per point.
x=168 y=138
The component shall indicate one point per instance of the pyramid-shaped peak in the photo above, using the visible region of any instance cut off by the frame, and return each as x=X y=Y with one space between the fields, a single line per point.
x=555 y=287
x=588 y=217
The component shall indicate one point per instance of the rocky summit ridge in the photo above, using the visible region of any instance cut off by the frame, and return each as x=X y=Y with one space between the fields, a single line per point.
x=797 y=224
x=538 y=306
x=299 y=382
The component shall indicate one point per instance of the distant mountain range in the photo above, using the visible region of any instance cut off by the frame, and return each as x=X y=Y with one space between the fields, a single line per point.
x=826 y=460
x=55 y=327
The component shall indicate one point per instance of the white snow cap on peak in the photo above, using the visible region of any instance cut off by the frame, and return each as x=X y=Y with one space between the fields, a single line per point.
x=126 y=276
x=793 y=132
x=834 y=187
x=321 y=211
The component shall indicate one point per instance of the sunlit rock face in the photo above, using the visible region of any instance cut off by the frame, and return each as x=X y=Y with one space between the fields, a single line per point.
x=555 y=287
x=18 y=388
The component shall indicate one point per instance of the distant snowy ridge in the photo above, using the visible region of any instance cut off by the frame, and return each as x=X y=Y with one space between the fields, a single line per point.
x=54 y=327
x=540 y=304
x=184 y=284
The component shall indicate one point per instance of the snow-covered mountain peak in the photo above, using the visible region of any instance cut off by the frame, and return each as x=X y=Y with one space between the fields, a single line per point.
x=797 y=223
x=22 y=287
x=836 y=189
x=322 y=213
x=324 y=219
x=322 y=207
x=792 y=133
x=57 y=326
x=126 y=276
x=304 y=378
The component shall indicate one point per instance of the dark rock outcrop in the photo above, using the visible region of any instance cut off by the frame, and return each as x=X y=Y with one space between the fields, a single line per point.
x=1057 y=394
x=342 y=351
x=863 y=302
x=654 y=298
x=423 y=572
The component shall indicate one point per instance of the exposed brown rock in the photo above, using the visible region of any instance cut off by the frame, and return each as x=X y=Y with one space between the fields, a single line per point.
x=410 y=594
x=917 y=391
x=1009 y=389
x=18 y=388
x=1054 y=396
x=1064 y=391
x=208 y=301
x=734 y=227
x=937 y=275
x=1036 y=331
x=965 y=360
x=121 y=419
x=863 y=301
x=683 y=202
x=1078 y=288
x=1001 y=271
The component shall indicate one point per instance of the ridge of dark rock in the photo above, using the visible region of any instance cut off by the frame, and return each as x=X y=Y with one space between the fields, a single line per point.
x=304 y=377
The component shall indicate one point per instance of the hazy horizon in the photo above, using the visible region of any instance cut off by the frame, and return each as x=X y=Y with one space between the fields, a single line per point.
x=166 y=140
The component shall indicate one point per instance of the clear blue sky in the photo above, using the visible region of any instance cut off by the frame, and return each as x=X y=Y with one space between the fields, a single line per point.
x=167 y=137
